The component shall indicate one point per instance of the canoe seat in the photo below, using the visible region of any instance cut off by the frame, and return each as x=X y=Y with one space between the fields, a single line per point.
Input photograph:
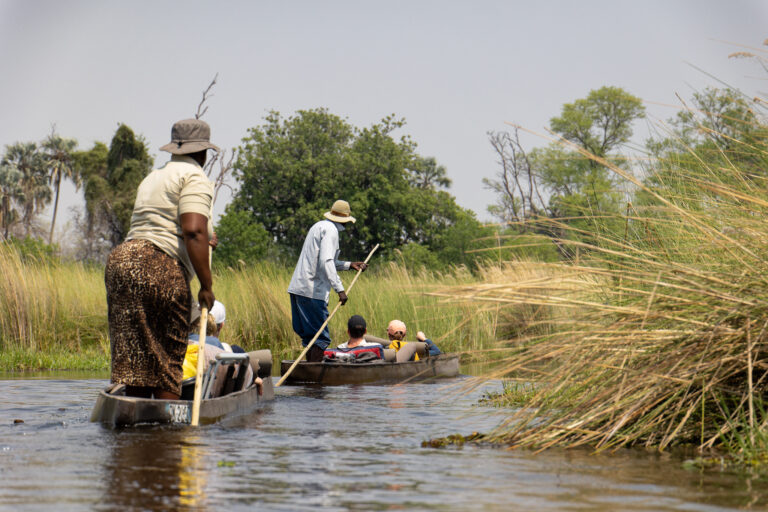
x=407 y=351
x=228 y=373
x=390 y=355
x=261 y=362
x=370 y=338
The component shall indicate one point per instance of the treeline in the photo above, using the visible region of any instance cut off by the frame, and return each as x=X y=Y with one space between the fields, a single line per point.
x=291 y=169
x=288 y=172
x=30 y=178
x=582 y=189
x=551 y=201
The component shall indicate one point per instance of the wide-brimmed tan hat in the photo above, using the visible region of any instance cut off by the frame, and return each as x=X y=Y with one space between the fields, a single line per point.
x=189 y=136
x=340 y=212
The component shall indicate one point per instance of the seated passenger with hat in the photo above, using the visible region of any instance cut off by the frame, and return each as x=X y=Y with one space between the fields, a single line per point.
x=396 y=334
x=213 y=346
x=356 y=328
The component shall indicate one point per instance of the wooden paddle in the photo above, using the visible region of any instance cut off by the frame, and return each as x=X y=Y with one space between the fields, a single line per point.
x=317 y=334
x=200 y=367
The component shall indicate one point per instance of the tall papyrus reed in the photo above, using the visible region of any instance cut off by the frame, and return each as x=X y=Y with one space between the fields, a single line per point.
x=658 y=334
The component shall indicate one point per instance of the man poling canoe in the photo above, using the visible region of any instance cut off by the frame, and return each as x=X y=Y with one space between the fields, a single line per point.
x=323 y=326
x=315 y=275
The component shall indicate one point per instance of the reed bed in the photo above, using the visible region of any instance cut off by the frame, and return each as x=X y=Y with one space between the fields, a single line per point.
x=53 y=314
x=659 y=336
x=259 y=313
x=46 y=305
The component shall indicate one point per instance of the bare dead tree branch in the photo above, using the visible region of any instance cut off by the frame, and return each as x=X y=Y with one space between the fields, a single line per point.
x=206 y=94
x=499 y=144
x=225 y=170
x=533 y=182
x=517 y=181
x=218 y=158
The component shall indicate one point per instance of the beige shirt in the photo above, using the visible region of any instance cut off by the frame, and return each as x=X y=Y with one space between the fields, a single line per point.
x=179 y=187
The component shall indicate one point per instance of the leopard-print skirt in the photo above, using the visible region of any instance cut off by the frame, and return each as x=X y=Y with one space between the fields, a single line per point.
x=148 y=302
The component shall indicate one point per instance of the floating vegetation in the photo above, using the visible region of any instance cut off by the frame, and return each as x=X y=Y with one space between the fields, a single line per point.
x=452 y=440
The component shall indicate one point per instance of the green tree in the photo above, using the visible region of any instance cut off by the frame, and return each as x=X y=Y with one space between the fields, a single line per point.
x=720 y=127
x=10 y=192
x=724 y=117
x=425 y=173
x=58 y=151
x=575 y=184
x=128 y=163
x=601 y=122
x=291 y=170
x=35 y=190
x=110 y=178
x=240 y=239
x=92 y=168
x=580 y=192
x=454 y=243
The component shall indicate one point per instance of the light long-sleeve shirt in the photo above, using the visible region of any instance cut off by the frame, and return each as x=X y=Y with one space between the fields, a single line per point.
x=315 y=272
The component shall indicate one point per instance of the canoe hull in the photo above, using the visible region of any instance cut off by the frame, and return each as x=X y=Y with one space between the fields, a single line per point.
x=378 y=372
x=120 y=411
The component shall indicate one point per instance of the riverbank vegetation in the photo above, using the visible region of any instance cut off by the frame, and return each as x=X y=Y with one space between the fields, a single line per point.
x=668 y=343
x=53 y=312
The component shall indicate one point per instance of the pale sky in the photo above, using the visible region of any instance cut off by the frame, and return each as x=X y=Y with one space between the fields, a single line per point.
x=454 y=70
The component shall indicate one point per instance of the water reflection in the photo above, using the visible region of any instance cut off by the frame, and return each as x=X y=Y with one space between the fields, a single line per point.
x=155 y=469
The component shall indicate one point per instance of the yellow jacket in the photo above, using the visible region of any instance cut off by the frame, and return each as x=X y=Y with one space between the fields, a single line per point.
x=190 y=360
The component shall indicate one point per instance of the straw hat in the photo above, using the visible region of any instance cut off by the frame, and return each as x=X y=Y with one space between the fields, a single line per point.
x=189 y=136
x=340 y=212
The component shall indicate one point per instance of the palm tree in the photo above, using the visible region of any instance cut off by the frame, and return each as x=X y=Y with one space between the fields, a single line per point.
x=10 y=192
x=60 y=165
x=35 y=192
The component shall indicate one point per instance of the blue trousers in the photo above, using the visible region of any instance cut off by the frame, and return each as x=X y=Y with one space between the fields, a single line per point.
x=308 y=315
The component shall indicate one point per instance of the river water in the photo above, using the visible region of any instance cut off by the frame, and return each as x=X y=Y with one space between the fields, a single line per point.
x=333 y=448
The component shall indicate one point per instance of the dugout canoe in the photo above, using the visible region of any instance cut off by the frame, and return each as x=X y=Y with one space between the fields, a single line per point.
x=114 y=409
x=329 y=373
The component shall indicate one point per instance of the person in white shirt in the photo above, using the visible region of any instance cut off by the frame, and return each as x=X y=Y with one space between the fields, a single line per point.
x=315 y=275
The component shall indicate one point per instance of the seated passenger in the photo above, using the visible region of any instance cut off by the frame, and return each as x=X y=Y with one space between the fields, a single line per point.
x=219 y=314
x=356 y=328
x=213 y=346
x=396 y=334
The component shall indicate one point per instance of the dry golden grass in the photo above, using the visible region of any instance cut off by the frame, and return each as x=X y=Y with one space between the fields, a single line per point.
x=259 y=314
x=48 y=307
x=659 y=336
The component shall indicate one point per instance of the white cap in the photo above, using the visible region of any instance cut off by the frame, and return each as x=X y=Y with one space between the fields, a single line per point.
x=219 y=312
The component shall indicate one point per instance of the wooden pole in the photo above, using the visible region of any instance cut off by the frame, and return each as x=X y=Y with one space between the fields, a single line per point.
x=200 y=368
x=317 y=334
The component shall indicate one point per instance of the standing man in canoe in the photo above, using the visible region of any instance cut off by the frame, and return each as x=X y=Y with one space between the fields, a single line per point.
x=147 y=276
x=315 y=275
